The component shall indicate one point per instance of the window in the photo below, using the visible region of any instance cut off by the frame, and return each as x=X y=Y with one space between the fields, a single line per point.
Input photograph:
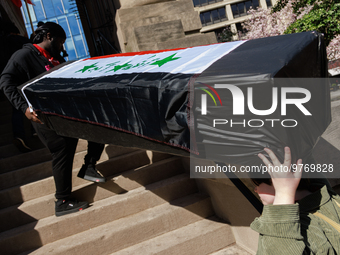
x=269 y=3
x=205 y=2
x=65 y=13
x=39 y=10
x=241 y=9
x=213 y=16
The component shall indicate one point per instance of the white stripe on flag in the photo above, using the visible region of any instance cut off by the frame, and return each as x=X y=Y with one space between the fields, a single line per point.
x=190 y=60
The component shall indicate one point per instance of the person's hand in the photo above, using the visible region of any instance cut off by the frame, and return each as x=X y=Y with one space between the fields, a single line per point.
x=32 y=116
x=285 y=178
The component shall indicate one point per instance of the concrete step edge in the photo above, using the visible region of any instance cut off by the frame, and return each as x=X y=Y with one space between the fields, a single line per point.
x=232 y=249
x=29 y=174
x=194 y=208
x=24 y=159
x=42 y=207
x=201 y=237
x=19 y=194
x=136 y=195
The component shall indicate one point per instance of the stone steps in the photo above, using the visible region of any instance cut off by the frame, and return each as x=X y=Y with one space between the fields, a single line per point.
x=148 y=202
x=133 y=229
x=231 y=250
x=42 y=170
x=199 y=238
x=24 y=159
x=41 y=207
x=102 y=212
x=18 y=194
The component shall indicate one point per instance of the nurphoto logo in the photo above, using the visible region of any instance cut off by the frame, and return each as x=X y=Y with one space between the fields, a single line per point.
x=239 y=99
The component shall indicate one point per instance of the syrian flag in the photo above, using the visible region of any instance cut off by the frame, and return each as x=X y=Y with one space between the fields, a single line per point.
x=221 y=102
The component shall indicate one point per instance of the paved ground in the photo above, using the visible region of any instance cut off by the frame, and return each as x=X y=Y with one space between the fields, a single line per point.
x=335 y=95
x=327 y=150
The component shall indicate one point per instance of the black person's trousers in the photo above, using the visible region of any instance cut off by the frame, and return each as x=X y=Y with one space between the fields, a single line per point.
x=63 y=150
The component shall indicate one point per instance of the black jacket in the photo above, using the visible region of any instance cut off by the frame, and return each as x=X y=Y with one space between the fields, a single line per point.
x=8 y=45
x=24 y=65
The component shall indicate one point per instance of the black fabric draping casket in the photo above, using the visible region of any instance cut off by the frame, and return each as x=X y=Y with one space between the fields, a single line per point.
x=151 y=100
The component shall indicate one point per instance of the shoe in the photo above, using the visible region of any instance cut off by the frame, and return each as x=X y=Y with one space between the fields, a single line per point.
x=90 y=173
x=20 y=144
x=67 y=206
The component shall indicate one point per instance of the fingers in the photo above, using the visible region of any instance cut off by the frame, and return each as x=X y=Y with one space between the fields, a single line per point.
x=288 y=157
x=32 y=116
x=37 y=120
x=272 y=156
x=264 y=159
x=286 y=167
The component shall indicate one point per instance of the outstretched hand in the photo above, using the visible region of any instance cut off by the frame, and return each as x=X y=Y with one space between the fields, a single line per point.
x=285 y=178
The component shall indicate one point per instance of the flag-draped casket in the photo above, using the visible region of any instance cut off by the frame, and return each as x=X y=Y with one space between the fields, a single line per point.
x=178 y=100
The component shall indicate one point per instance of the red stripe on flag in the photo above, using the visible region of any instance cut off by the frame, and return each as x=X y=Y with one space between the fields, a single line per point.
x=134 y=53
x=142 y=52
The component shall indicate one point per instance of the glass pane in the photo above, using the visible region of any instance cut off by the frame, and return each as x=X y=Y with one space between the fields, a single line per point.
x=240 y=8
x=196 y=2
x=79 y=46
x=214 y=15
x=248 y=5
x=235 y=10
x=255 y=4
x=39 y=12
x=63 y=22
x=202 y=19
x=29 y=29
x=70 y=49
x=58 y=7
x=207 y=18
x=33 y=17
x=72 y=21
x=222 y=13
x=32 y=14
x=52 y=20
x=49 y=10
x=70 y=6
x=269 y=3
x=204 y=2
x=24 y=14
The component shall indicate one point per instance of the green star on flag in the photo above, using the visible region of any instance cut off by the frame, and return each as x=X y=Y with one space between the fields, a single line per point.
x=118 y=67
x=88 y=68
x=165 y=60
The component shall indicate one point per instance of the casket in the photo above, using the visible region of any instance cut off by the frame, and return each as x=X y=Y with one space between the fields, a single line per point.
x=224 y=102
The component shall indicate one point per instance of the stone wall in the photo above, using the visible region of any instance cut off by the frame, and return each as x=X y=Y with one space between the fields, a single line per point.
x=159 y=24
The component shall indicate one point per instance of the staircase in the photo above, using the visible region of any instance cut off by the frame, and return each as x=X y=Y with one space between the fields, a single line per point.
x=149 y=205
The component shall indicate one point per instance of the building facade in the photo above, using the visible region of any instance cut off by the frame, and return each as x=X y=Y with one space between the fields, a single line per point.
x=65 y=13
x=215 y=15
x=111 y=26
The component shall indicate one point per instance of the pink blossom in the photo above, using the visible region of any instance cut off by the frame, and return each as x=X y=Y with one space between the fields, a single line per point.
x=264 y=23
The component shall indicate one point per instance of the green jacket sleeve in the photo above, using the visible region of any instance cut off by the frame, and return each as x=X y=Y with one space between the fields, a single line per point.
x=280 y=230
